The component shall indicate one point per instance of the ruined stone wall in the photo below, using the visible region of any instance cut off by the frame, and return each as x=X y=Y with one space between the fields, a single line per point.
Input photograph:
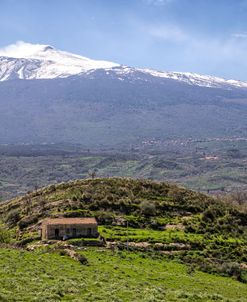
x=69 y=231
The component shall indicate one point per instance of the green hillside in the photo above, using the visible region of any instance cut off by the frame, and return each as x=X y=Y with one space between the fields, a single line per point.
x=122 y=276
x=162 y=241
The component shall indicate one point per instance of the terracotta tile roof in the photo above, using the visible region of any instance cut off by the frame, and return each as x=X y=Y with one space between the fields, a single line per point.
x=87 y=220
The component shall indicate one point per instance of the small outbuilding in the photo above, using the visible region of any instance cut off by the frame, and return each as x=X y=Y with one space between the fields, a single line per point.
x=65 y=228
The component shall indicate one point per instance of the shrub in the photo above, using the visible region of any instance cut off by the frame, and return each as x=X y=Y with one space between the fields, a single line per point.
x=27 y=221
x=12 y=218
x=4 y=236
x=212 y=213
x=74 y=255
x=235 y=270
x=78 y=213
x=105 y=217
x=148 y=208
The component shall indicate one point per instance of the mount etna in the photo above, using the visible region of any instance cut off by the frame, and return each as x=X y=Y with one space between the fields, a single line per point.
x=52 y=96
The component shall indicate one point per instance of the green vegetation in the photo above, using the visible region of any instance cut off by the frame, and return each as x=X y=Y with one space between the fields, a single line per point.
x=146 y=212
x=123 y=234
x=170 y=234
x=207 y=166
x=109 y=276
x=5 y=235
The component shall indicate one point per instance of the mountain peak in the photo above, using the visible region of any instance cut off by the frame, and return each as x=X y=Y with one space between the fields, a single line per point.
x=39 y=61
x=47 y=52
x=48 y=47
x=24 y=50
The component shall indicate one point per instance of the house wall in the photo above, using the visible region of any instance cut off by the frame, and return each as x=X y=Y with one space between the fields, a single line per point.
x=71 y=231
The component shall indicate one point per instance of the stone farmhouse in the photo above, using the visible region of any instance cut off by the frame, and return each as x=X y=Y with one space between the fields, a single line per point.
x=65 y=228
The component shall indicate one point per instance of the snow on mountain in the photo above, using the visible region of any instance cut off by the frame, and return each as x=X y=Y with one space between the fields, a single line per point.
x=35 y=61
x=186 y=77
x=197 y=79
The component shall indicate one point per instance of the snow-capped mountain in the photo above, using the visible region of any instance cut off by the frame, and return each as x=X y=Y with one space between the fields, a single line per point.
x=98 y=103
x=35 y=61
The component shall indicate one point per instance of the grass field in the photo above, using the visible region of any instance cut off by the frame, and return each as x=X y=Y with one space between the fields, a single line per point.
x=109 y=276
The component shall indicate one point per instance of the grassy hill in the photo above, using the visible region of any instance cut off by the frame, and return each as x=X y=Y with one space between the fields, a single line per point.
x=165 y=240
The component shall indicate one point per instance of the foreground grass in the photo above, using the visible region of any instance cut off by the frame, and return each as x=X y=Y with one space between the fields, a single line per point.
x=120 y=276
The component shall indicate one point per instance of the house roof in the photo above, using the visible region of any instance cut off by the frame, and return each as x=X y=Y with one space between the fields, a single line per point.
x=56 y=221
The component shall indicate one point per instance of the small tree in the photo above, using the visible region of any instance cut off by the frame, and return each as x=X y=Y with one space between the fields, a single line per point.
x=4 y=235
x=148 y=208
x=92 y=173
x=12 y=218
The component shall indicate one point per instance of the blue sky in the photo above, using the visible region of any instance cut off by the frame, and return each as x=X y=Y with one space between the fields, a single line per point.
x=203 y=36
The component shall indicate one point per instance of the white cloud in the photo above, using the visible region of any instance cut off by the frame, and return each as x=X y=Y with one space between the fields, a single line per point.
x=195 y=51
x=166 y=32
x=158 y=2
x=217 y=48
x=240 y=35
x=20 y=49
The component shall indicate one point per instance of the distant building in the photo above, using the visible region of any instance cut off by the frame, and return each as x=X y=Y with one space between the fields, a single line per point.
x=65 y=228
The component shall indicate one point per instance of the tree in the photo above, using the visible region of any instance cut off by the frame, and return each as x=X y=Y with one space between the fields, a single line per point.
x=12 y=218
x=148 y=208
x=92 y=173
x=4 y=235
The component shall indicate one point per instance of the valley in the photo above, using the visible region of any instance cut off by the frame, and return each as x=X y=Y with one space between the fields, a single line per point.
x=211 y=166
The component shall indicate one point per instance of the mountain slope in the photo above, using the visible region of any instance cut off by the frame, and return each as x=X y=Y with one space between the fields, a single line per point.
x=101 y=110
x=36 y=61
x=49 y=96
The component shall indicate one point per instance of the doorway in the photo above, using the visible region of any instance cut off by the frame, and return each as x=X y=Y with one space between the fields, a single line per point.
x=89 y=232
x=56 y=233
x=74 y=232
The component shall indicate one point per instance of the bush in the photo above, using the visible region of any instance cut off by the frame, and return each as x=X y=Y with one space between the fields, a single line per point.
x=105 y=218
x=148 y=208
x=78 y=213
x=25 y=241
x=12 y=218
x=74 y=255
x=235 y=270
x=27 y=221
x=4 y=236
x=212 y=213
